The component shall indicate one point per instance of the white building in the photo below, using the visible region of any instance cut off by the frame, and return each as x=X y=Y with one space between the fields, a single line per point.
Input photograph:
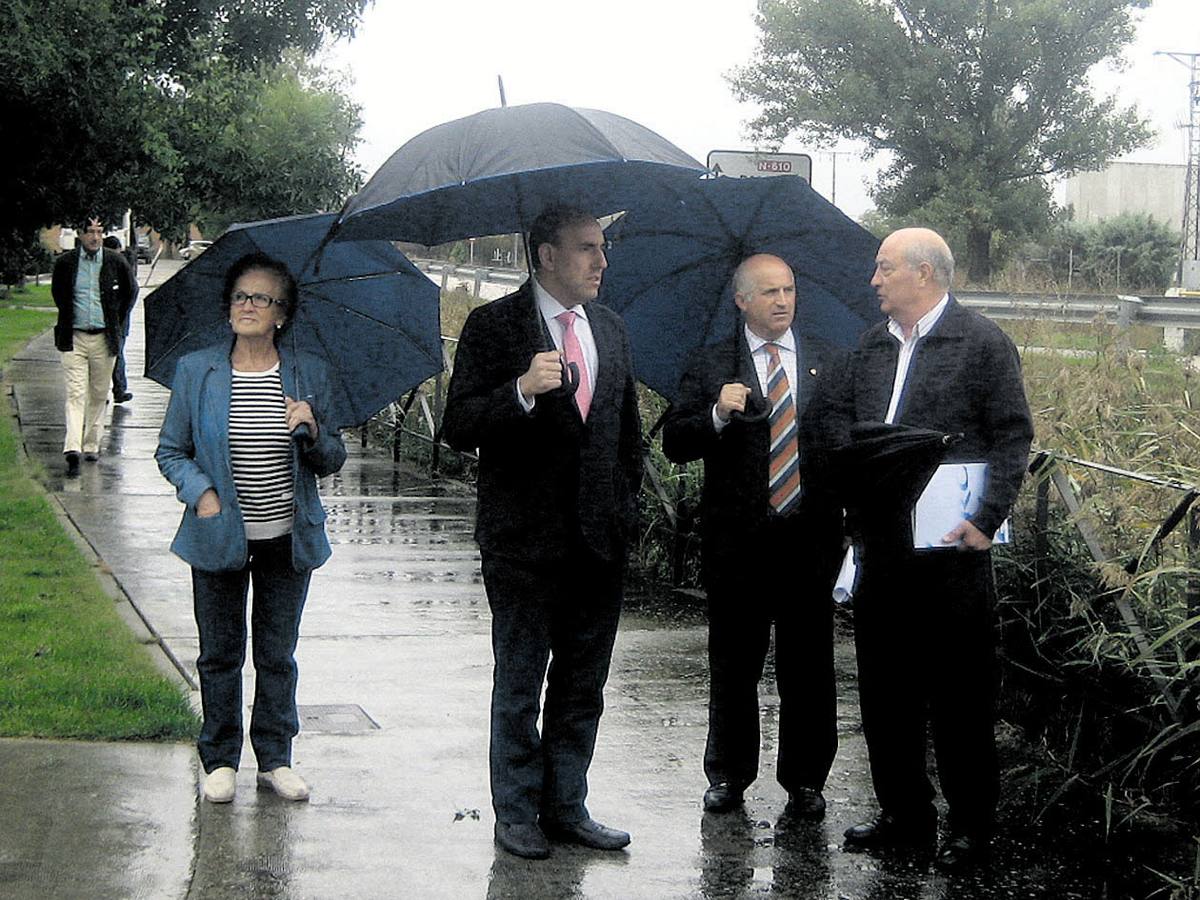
x=1129 y=187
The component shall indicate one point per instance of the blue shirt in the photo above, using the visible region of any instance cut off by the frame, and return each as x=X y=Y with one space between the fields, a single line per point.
x=89 y=314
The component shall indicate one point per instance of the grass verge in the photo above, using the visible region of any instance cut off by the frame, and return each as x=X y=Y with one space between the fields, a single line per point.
x=27 y=295
x=69 y=667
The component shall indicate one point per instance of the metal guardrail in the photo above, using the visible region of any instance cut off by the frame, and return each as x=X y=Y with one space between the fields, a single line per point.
x=1164 y=312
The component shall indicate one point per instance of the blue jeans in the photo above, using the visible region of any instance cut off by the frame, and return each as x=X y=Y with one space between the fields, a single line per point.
x=220 y=604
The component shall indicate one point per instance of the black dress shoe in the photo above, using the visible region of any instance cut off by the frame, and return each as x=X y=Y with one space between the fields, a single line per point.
x=888 y=832
x=587 y=833
x=962 y=852
x=523 y=839
x=722 y=797
x=122 y=397
x=72 y=459
x=805 y=803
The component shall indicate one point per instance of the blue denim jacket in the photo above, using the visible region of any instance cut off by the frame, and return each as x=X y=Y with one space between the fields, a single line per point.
x=193 y=454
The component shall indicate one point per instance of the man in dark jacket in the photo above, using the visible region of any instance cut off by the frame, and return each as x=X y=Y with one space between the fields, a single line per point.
x=93 y=289
x=770 y=540
x=559 y=471
x=120 y=383
x=924 y=618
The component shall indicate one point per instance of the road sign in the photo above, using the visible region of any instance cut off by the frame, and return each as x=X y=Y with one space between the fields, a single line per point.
x=754 y=164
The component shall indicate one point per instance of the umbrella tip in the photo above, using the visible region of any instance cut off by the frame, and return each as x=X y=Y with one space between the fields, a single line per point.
x=503 y=100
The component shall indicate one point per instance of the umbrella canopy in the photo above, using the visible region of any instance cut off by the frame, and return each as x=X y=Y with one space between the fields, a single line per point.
x=494 y=171
x=371 y=315
x=674 y=253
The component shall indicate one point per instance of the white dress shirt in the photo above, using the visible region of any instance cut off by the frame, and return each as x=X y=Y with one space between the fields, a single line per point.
x=789 y=358
x=550 y=309
x=907 y=347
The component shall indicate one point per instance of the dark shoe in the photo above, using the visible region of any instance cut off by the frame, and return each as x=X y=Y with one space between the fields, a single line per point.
x=722 y=797
x=805 y=803
x=72 y=459
x=889 y=832
x=962 y=852
x=523 y=839
x=587 y=833
x=122 y=397
x=91 y=457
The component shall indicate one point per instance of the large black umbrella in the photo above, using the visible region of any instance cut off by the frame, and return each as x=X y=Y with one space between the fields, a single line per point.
x=371 y=314
x=493 y=172
x=674 y=252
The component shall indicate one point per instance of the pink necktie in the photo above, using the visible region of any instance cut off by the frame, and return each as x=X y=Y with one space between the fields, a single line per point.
x=573 y=353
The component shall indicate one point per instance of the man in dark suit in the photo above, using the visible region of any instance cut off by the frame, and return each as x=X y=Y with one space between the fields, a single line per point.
x=924 y=618
x=92 y=288
x=559 y=472
x=770 y=538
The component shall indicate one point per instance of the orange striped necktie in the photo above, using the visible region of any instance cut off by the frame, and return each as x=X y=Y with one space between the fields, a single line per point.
x=783 y=462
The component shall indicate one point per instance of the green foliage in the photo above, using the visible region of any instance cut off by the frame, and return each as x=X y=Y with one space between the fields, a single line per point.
x=1128 y=254
x=977 y=101
x=257 y=144
x=22 y=254
x=101 y=90
x=1075 y=676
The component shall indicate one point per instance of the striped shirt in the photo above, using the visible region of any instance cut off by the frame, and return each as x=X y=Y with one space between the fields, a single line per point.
x=260 y=449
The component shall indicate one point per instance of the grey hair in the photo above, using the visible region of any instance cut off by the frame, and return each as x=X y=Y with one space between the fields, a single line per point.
x=743 y=283
x=928 y=247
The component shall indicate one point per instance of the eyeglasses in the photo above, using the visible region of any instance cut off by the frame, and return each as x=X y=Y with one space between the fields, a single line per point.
x=258 y=301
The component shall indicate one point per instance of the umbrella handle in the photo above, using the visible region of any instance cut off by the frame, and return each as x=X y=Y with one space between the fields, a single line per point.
x=570 y=378
x=751 y=418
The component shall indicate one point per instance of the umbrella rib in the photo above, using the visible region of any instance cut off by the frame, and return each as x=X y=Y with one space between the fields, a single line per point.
x=398 y=329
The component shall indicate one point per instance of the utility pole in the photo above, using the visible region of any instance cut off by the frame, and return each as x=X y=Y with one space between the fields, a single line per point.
x=1188 y=273
x=834 y=154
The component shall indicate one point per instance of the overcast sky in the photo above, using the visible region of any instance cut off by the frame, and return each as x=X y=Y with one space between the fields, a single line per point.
x=659 y=62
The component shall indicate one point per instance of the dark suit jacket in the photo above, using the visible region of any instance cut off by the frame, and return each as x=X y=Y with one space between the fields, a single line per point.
x=965 y=377
x=735 y=499
x=547 y=479
x=116 y=297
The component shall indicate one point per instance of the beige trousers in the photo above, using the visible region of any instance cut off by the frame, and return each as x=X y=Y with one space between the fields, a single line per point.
x=87 y=371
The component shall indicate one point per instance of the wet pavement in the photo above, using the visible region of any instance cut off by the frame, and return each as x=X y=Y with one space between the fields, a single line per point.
x=395 y=676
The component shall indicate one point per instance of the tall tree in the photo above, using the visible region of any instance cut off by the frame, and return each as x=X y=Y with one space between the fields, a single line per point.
x=255 y=144
x=978 y=101
x=94 y=97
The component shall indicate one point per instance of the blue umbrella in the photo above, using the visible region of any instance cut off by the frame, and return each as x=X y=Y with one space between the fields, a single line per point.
x=370 y=314
x=494 y=171
x=673 y=256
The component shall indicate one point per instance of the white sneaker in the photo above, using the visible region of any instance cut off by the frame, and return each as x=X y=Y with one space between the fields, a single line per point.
x=220 y=784
x=284 y=782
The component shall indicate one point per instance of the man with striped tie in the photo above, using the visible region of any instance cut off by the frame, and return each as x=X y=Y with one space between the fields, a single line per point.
x=770 y=540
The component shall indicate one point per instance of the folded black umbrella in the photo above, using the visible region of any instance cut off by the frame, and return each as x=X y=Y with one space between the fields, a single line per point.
x=885 y=467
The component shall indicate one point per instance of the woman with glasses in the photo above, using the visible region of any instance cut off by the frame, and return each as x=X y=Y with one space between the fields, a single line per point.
x=244 y=444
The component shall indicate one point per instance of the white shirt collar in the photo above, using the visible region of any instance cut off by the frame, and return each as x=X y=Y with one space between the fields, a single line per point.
x=787 y=340
x=924 y=324
x=550 y=307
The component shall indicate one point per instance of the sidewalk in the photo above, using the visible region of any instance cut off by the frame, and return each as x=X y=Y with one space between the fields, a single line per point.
x=395 y=675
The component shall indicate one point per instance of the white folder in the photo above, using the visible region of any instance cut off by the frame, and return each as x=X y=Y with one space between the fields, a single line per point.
x=954 y=493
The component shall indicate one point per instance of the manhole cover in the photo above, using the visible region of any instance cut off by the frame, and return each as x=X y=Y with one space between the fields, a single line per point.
x=336 y=718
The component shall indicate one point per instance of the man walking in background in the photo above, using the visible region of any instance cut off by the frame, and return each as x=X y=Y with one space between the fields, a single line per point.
x=120 y=384
x=92 y=289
